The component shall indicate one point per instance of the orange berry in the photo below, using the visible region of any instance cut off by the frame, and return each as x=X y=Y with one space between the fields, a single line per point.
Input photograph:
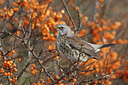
x=48 y=1
x=101 y=54
x=125 y=78
x=61 y=84
x=10 y=54
x=72 y=84
x=18 y=33
x=113 y=32
x=117 y=23
x=15 y=4
x=113 y=26
x=86 y=18
x=32 y=68
x=74 y=80
x=16 y=9
x=15 y=70
x=114 y=55
x=5 y=74
x=83 y=31
x=114 y=42
x=11 y=74
x=10 y=62
x=42 y=70
x=10 y=79
x=101 y=0
x=116 y=65
x=97 y=70
x=32 y=72
x=33 y=65
x=57 y=77
x=14 y=65
x=57 y=57
x=41 y=61
x=95 y=82
x=48 y=78
x=119 y=41
x=5 y=9
x=37 y=24
x=35 y=70
x=13 y=51
x=50 y=47
x=88 y=24
x=125 y=41
x=1 y=2
x=100 y=29
x=19 y=59
x=18 y=1
x=118 y=72
x=13 y=80
x=62 y=11
x=109 y=36
x=9 y=14
x=81 y=15
x=22 y=4
x=54 y=14
x=76 y=8
x=98 y=6
x=45 y=38
x=1 y=69
x=113 y=76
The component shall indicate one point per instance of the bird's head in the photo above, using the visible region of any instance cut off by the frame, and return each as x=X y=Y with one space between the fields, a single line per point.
x=63 y=30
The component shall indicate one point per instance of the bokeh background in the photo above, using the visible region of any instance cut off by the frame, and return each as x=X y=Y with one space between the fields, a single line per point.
x=27 y=24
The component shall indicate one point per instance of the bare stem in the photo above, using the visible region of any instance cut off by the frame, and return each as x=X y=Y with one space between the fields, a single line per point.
x=74 y=26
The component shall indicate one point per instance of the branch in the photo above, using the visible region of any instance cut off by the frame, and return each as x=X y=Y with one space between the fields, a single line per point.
x=65 y=6
x=23 y=69
x=79 y=21
x=33 y=53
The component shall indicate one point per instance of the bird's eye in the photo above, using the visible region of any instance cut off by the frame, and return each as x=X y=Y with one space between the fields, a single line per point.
x=61 y=28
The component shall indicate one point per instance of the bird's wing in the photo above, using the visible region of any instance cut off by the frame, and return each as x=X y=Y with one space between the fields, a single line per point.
x=62 y=46
x=81 y=45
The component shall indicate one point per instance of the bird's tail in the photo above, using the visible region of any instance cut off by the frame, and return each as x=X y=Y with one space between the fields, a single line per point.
x=106 y=45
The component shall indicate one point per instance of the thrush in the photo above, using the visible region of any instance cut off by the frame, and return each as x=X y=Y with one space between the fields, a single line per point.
x=73 y=47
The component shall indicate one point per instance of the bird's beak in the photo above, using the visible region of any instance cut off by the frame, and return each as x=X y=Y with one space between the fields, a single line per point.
x=55 y=27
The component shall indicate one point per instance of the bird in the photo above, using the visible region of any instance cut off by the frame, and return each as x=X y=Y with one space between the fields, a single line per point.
x=73 y=47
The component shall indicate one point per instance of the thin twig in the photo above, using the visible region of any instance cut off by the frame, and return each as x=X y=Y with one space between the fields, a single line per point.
x=33 y=53
x=96 y=10
x=79 y=22
x=23 y=69
x=74 y=26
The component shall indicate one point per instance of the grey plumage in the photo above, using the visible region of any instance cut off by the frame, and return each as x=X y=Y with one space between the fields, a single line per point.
x=71 y=46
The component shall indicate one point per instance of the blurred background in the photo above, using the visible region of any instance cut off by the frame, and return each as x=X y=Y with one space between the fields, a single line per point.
x=27 y=24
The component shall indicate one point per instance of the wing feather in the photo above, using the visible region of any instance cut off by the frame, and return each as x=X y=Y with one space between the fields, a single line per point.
x=81 y=45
